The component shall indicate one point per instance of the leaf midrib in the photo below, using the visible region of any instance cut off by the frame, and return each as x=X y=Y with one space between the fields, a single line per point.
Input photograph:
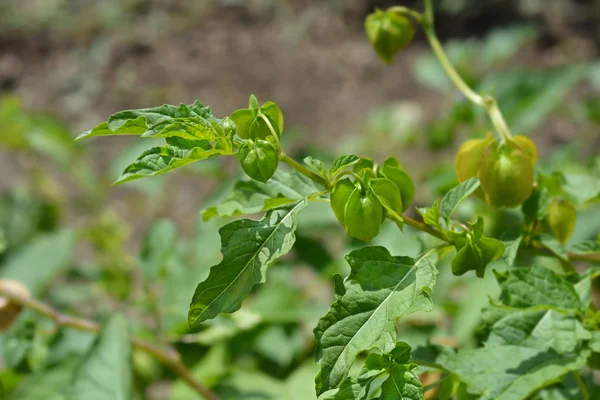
x=276 y=227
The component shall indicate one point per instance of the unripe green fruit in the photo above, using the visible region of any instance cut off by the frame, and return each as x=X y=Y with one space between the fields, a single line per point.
x=357 y=209
x=259 y=159
x=468 y=159
x=505 y=174
x=388 y=195
x=363 y=215
x=561 y=216
x=392 y=170
x=339 y=198
x=388 y=32
x=528 y=146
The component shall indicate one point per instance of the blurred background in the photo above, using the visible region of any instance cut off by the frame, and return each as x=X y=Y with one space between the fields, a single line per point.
x=90 y=248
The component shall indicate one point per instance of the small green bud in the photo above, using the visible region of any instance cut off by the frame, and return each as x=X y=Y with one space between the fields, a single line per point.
x=259 y=159
x=251 y=122
x=561 y=216
x=506 y=174
x=389 y=33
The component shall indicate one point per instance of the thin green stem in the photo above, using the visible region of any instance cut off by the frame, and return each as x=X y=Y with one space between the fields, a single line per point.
x=585 y=395
x=424 y=227
x=304 y=171
x=169 y=358
x=407 y=11
x=487 y=102
x=270 y=126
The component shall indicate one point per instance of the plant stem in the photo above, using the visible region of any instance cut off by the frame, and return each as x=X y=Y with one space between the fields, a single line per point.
x=424 y=227
x=582 y=389
x=169 y=358
x=487 y=102
x=305 y=171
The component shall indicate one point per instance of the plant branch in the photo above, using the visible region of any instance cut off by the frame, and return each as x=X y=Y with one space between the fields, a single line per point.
x=582 y=389
x=169 y=358
x=305 y=171
x=487 y=102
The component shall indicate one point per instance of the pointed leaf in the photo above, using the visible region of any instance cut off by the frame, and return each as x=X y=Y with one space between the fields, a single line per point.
x=248 y=248
x=177 y=153
x=193 y=122
x=379 y=290
x=250 y=197
x=456 y=196
x=317 y=166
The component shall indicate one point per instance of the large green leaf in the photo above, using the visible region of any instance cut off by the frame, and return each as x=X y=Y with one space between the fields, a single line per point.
x=510 y=372
x=379 y=290
x=176 y=153
x=192 y=122
x=532 y=339
x=248 y=248
x=250 y=196
x=105 y=373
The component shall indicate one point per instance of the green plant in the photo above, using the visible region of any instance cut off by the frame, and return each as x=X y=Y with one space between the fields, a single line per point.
x=541 y=329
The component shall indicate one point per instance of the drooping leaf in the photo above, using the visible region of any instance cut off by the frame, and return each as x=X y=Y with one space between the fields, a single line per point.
x=456 y=196
x=176 y=153
x=251 y=197
x=248 y=248
x=342 y=162
x=192 y=122
x=379 y=290
x=105 y=373
x=554 y=246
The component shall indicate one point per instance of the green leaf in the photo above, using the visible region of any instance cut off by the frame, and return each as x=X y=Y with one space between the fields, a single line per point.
x=431 y=215
x=534 y=208
x=530 y=287
x=243 y=119
x=40 y=261
x=46 y=384
x=379 y=290
x=554 y=246
x=105 y=373
x=511 y=248
x=317 y=166
x=475 y=251
x=177 y=153
x=248 y=248
x=456 y=196
x=251 y=197
x=402 y=384
x=192 y=122
x=342 y=162
x=510 y=372
x=587 y=247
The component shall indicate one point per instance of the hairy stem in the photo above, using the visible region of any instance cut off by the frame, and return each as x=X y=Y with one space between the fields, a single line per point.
x=169 y=358
x=305 y=171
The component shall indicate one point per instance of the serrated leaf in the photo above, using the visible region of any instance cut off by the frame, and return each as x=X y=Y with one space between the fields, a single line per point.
x=317 y=166
x=531 y=287
x=511 y=248
x=456 y=196
x=248 y=248
x=250 y=197
x=176 y=153
x=510 y=372
x=379 y=290
x=402 y=384
x=192 y=122
x=342 y=162
x=105 y=373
